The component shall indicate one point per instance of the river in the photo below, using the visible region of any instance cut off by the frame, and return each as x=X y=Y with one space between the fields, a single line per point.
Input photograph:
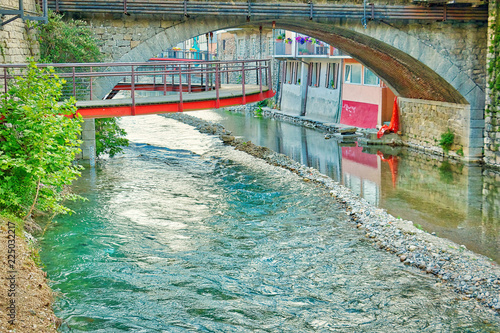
x=183 y=234
x=455 y=201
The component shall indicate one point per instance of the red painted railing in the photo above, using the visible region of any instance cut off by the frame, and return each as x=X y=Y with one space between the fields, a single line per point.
x=180 y=77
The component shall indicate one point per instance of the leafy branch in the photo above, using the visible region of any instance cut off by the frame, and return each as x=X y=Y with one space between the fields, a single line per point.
x=38 y=144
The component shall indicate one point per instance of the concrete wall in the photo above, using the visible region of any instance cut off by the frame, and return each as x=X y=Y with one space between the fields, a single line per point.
x=17 y=43
x=292 y=99
x=423 y=122
x=323 y=103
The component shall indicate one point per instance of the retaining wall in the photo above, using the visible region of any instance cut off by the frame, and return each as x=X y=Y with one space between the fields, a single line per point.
x=492 y=117
x=423 y=122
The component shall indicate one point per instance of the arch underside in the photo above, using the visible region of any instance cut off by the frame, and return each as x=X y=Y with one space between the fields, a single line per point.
x=405 y=75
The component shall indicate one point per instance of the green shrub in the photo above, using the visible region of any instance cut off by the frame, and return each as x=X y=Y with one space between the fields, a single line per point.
x=38 y=145
x=447 y=139
x=67 y=41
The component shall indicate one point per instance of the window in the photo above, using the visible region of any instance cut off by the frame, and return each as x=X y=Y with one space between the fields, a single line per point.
x=224 y=44
x=353 y=73
x=332 y=76
x=315 y=70
x=370 y=78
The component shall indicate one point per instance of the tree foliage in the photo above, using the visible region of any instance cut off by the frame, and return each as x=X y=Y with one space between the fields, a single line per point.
x=67 y=41
x=64 y=41
x=109 y=137
x=38 y=144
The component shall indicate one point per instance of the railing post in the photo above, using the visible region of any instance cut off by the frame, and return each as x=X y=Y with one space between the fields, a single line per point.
x=57 y=6
x=164 y=80
x=180 y=90
x=125 y=7
x=243 y=99
x=154 y=78
x=256 y=73
x=260 y=78
x=217 y=101
x=201 y=74
x=74 y=84
x=269 y=77
x=227 y=74
x=208 y=79
x=189 y=78
x=91 y=87
x=132 y=91
x=5 y=79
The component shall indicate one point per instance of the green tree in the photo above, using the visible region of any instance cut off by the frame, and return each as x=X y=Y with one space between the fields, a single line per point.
x=63 y=41
x=38 y=144
x=109 y=137
x=68 y=41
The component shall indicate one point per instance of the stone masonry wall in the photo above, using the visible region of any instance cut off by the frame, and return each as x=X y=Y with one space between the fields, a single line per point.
x=492 y=117
x=423 y=122
x=17 y=43
x=464 y=44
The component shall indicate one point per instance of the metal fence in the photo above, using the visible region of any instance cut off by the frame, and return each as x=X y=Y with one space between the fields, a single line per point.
x=277 y=10
x=166 y=76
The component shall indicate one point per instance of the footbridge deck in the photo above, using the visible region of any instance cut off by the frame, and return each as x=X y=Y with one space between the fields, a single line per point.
x=105 y=90
x=228 y=95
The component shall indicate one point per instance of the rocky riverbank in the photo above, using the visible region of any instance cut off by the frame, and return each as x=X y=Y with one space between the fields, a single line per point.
x=470 y=274
x=25 y=295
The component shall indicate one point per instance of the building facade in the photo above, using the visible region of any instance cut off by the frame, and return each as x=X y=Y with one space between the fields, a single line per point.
x=319 y=82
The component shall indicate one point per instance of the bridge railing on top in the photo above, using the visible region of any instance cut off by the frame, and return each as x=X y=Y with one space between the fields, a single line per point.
x=166 y=77
x=283 y=9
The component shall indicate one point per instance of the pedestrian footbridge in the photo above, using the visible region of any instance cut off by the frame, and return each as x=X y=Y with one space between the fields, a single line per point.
x=157 y=86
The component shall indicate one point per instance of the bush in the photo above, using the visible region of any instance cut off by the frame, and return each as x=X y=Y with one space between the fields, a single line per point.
x=73 y=41
x=39 y=144
x=447 y=139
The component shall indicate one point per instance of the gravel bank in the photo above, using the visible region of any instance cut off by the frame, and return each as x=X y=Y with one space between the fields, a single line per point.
x=470 y=274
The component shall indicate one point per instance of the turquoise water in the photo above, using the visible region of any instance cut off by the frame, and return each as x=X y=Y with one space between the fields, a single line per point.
x=456 y=201
x=182 y=234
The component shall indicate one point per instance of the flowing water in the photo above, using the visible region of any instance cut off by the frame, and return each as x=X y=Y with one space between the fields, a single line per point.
x=456 y=201
x=183 y=234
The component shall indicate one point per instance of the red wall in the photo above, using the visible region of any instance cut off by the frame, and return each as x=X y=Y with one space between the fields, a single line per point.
x=359 y=114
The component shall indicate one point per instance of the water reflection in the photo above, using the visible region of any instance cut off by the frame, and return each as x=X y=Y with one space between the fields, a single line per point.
x=453 y=200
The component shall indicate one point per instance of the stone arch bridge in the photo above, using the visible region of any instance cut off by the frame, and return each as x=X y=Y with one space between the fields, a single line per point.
x=433 y=57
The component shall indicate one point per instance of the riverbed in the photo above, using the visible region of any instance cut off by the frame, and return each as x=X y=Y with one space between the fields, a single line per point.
x=184 y=234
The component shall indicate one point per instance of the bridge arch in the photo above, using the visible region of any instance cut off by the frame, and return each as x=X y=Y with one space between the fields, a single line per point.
x=413 y=61
x=412 y=67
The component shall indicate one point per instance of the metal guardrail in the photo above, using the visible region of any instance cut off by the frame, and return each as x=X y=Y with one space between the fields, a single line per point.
x=80 y=77
x=21 y=13
x=277 y=10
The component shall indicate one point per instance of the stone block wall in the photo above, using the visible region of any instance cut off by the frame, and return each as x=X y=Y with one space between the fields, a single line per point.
x=492 y=117
x=17 y=42
x=423 y=122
